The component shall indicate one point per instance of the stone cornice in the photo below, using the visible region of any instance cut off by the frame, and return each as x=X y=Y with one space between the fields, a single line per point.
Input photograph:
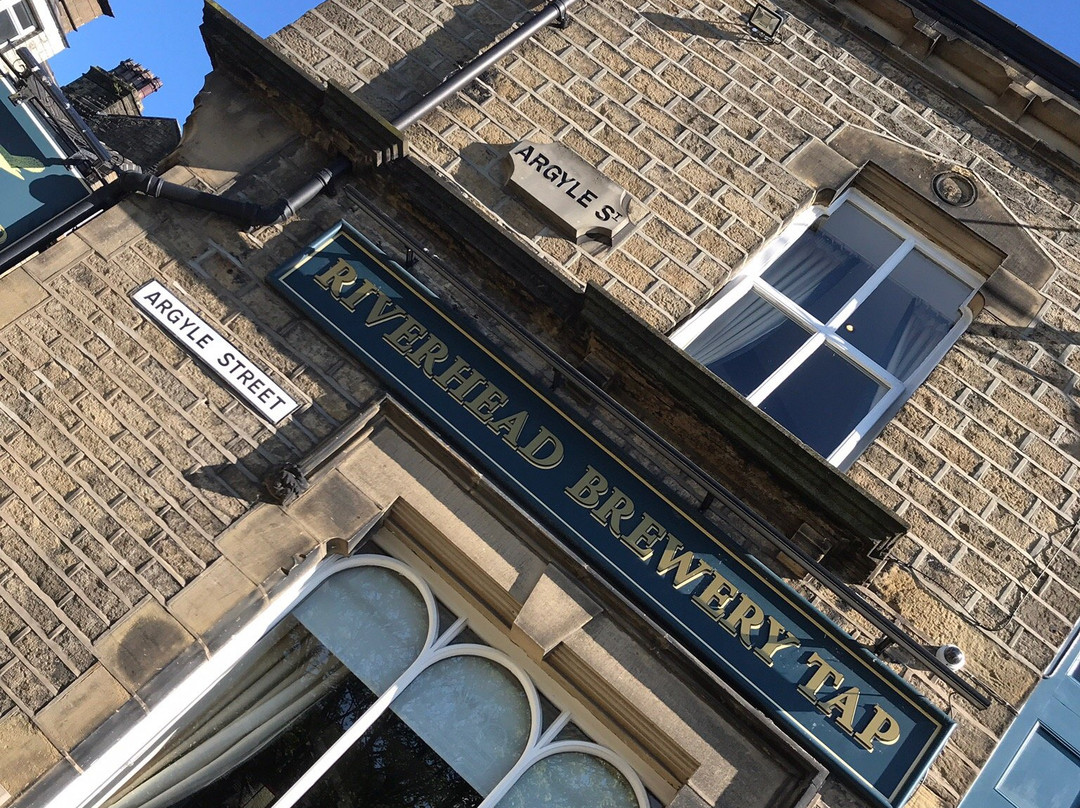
x=1000 y=93
x=326 y=111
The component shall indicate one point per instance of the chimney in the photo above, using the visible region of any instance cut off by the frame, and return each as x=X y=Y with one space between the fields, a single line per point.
x=142 y=80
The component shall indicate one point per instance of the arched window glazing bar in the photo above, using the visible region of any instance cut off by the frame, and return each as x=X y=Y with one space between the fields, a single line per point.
x=350 y=658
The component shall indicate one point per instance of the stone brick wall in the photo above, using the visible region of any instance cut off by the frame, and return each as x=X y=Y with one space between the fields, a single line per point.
x=675 y=103
x=121 y=466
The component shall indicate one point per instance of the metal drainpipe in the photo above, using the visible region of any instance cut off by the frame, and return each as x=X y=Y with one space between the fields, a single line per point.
x=553 y=12
x=247 y=213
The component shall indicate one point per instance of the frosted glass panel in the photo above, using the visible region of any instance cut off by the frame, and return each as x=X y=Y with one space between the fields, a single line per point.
x=1046 y=774
x=473 y=712
x=373 y=619
x=571 y=780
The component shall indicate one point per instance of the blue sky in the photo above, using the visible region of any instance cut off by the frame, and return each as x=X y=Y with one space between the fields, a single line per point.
x=1056 y=22
x=164 y=37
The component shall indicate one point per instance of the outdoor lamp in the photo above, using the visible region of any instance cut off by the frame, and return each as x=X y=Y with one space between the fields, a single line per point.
x=764 y=22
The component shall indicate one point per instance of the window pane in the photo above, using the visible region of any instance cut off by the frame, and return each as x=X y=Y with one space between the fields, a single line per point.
x=823 y=400
x=747 y=343
x=863 y=235
x=23 y=15
x=372 y=618
x=824 y=269
x=473 y=713
x=571 y=780
x=7 y=27
x=1046 y=774
x=908 y=315
x=389 y=767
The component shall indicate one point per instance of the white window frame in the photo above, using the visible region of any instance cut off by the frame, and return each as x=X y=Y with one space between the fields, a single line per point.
x=45 y=40
x=749 y=280
x=108 y=773
x=7 y=8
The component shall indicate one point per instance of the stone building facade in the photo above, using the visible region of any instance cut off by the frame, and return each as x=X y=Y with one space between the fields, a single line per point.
x=43 y=27
x=138 y=541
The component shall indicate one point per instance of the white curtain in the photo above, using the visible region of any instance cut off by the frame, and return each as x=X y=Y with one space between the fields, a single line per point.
x=370 y=618
x=814 y=263
x=290 y=672
x=920 y=329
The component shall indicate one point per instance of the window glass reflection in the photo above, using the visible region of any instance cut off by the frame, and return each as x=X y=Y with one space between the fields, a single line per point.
x=372 y=618
x=747 y=343
x=823 y=400
x=571 y=780
x=1046 y=774
x=391 y=767
x=824 y=269
x=907 y=316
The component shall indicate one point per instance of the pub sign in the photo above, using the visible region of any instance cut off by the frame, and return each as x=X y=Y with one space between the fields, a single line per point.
x=35 y=185
x=745 y=623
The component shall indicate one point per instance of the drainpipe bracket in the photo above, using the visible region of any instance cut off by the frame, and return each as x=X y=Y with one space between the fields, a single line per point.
x=563 y=19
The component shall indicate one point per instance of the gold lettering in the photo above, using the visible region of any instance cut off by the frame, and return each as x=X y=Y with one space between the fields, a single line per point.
x=337 y=276
x=588 y=490
x=673 y=558
x=825 y=674
x=544 y=439
x=456 y=373
x=881 y=727
x=617 y=507
x=846 y=703
x=486 y=404
x=779 y=638
x=358 y=294
x=512 y=425
x=715 y=597
x=402 y=338
x=383 y=311
x=649 y=531
x=744 y=617
x=428 y=353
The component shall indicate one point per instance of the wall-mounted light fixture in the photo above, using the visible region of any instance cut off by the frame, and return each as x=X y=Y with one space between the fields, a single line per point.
x=764 y=22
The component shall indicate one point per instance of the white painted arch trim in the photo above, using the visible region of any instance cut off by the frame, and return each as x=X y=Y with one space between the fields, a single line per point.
x=106 y=774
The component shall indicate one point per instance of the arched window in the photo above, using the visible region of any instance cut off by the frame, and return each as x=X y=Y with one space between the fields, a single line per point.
x=362 y=697
x=569 y=776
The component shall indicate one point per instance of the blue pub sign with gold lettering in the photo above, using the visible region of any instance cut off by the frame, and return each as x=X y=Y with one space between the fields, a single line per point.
x=736 y=616
x=35 y=184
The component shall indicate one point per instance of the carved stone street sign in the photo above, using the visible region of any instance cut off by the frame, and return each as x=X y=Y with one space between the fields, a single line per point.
x=579 y=200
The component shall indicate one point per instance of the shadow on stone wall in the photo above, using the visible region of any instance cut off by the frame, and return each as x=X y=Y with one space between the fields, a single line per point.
x=483 y=170
x=1054 y=373
x=695 y=27
x=470 y=31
